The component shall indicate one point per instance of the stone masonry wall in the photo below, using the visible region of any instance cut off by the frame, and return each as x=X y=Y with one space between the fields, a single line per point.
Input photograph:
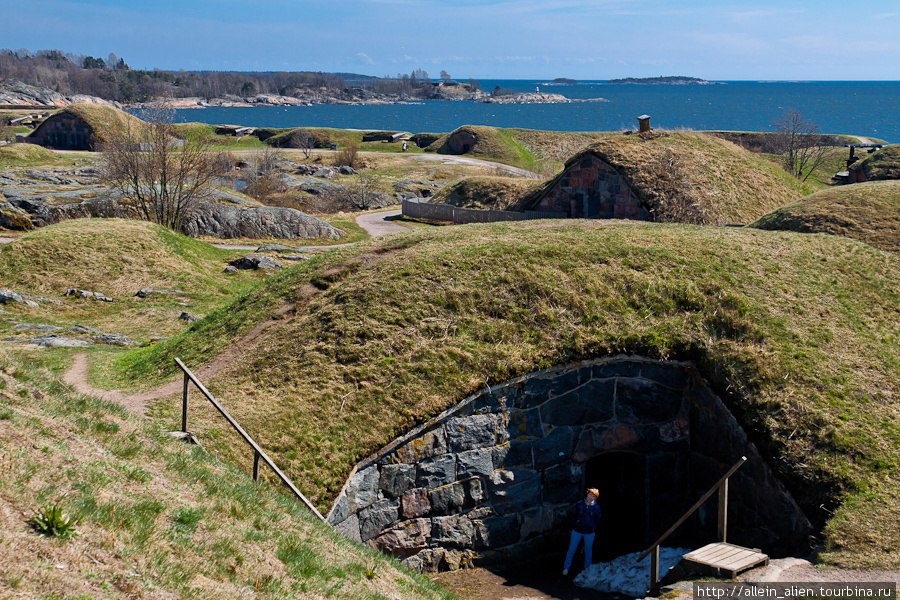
x=64 y=132
x=495 y=476
x=590 y=188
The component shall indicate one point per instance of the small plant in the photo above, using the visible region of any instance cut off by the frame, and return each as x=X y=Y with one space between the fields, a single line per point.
x=186 y=518
x=52 y=522
x=371 y=571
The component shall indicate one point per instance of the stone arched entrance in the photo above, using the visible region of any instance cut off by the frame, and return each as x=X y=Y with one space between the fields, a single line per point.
x=495 y=476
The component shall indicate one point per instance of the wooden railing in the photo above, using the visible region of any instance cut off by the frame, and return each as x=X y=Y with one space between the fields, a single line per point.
x=722 y=487
x=257 y=451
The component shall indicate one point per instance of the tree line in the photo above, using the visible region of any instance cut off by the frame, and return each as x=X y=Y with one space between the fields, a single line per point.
x=112 y=78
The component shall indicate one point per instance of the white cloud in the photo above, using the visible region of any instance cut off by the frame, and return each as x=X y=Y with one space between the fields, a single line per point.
x=365 y=58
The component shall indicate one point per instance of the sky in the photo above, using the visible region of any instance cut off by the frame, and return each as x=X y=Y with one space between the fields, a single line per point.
x=485 y=39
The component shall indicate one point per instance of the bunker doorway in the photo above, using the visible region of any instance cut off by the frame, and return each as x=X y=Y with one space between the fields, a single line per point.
x=621 y=479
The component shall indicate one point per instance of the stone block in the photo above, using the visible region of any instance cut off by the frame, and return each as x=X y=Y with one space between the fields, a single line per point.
x=405 y=539
x=469 y=433
x=565 y=382
x=534 y=392
x=496 y=532
x=363 y=488
x=531 y=523
x=474 y=462
x=448 y=499
x=605 y=438
x=349 y=528
x=512 y=455
x=427 y=561
x=415 y=504
x=673 y=376
x=557 y=447
x=643 y=401
x=474 y=491
x=617 y=368
x=525 y=425
x=431 y=443
x=563 y=483
x=494 y=401
x=511 y=491
x=456 y=530
x=377 y=517
x=397 y=479
x=590 y=403
x=340 y=511
x=437 y=471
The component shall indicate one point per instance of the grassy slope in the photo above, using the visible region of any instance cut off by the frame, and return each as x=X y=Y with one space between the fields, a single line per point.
x=30 y=155
x=117 y=258
x=158 y=519
x=798 y=334
x=869 y=212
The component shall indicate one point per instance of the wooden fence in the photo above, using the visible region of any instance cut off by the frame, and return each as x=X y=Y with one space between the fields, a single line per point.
x=461 y=216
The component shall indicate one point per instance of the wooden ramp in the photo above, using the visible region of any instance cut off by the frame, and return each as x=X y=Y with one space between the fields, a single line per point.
x=724 y=560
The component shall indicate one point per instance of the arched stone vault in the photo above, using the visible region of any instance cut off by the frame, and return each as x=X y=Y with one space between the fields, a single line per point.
x=495 y=476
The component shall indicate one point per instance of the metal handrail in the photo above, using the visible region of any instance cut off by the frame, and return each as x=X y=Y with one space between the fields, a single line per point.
x=722 y=487
x=257 y=451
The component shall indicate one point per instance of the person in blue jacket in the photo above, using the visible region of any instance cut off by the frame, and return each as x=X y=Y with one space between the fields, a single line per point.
x=587 y=518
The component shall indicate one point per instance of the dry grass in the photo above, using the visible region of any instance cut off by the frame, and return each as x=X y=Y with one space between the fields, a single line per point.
x=157 y=519
x=868 y=212
x=797 y=333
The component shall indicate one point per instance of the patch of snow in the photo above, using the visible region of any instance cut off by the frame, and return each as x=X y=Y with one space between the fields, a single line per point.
x=626 y=575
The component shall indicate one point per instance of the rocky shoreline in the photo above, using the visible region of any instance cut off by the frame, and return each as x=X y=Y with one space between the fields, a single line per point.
x=17 y=94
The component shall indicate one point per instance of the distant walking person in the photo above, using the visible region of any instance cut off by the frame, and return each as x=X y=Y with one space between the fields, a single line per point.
x=587 y=517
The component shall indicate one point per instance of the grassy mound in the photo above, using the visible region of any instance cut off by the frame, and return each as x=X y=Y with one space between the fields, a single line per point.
x=107 y=122
x=797 y=333
x=490 y=143
x=498 y=193
x=17 y=155
x=114 y=256
x=881 y=165
x=868 y=212
x=685 y=172
x=156 y=518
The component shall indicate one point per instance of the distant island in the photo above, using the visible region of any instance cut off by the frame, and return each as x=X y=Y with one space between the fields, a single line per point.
x=670 y=80
x=560 y=81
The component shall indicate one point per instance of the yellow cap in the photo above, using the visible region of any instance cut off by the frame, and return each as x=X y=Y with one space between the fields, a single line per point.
x=594 y=491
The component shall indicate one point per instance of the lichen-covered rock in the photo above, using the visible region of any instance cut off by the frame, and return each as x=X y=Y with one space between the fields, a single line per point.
x=266 y=221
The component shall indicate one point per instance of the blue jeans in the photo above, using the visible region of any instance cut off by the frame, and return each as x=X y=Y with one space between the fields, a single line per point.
x=573 y=546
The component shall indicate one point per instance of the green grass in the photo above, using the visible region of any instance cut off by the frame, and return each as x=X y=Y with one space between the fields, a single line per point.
x=881 y=165
x=190 y=527
x=207 y=133
x=797 y=333
x=868 y=212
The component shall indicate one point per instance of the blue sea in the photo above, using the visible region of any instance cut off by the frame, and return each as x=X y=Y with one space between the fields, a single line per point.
x=868 y=108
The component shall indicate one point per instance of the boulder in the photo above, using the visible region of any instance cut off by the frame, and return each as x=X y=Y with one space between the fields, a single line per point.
x=189 y=318
x=114 y=339
x=256 y=261
x=7 y=295
x=88 y=295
